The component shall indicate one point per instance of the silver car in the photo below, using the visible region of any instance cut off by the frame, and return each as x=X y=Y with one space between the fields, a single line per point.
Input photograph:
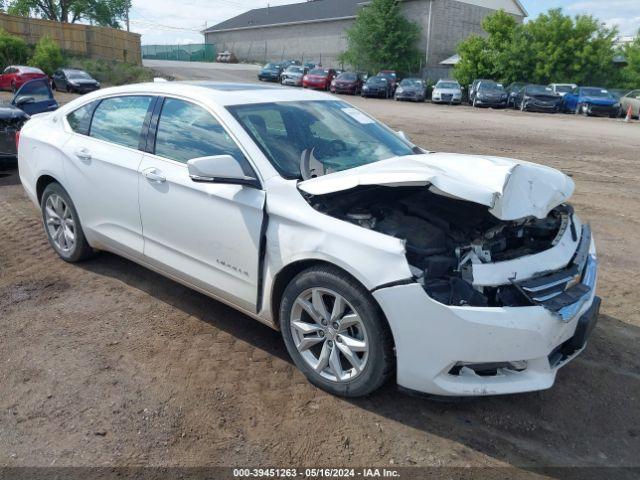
x=447 y=91
x=293 y=76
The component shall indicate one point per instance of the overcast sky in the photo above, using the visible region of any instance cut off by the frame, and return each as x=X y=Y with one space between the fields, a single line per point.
x=180 y=21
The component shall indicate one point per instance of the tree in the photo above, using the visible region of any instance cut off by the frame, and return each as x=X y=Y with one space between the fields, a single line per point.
x=630 y=75
x=108 y=13
x=13 y=50
x=47 y=56
x=552 y=48
x=382 y=38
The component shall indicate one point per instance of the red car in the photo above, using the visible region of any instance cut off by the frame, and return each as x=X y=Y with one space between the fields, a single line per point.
x=348 y=82
x=319 y=78
x=14 y=77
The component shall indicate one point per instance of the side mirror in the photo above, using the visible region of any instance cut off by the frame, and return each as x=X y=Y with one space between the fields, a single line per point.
x=220 y=169
x=24 y=101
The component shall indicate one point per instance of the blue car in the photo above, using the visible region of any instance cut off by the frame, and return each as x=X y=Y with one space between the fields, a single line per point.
x=591 y=101
x=270 y=72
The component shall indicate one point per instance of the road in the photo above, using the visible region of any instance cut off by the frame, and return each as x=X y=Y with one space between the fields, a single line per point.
x=106 y=363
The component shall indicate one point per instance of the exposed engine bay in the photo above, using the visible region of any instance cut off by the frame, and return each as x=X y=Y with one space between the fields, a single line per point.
x=444 y=237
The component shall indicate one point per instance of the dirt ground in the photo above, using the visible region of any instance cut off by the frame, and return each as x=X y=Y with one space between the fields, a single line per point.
x=106 y=363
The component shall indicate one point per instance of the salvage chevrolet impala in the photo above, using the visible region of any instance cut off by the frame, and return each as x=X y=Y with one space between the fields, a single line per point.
x=457 y=275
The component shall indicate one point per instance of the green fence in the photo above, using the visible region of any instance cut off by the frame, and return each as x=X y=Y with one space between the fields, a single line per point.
x=195 y=52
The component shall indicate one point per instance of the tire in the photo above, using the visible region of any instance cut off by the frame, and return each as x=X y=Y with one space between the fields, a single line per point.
x=368 y=333
x=79 y=249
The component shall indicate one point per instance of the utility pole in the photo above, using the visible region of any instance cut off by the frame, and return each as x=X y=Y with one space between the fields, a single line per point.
x=127 y=16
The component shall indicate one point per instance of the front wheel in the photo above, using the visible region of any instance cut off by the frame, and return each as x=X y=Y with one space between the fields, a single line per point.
x=336 y=333
x=62 y=225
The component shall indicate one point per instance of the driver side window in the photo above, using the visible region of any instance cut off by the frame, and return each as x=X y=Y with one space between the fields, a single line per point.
x=187 y=131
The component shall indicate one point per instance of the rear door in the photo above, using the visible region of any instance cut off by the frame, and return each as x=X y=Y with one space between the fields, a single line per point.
x=5 y=78
x=104 y=156
x=206 y=234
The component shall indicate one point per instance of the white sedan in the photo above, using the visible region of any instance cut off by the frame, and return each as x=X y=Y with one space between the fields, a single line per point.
x=457 y=275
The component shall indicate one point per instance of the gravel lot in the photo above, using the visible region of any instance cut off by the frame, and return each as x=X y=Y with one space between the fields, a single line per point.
x=107 y=363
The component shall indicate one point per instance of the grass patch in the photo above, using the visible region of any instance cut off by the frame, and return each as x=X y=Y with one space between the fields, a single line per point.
x=111 y=72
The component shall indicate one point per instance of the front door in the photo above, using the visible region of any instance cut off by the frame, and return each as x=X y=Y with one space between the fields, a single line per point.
x=205 y=234
x=103 y=170
x=35 y=97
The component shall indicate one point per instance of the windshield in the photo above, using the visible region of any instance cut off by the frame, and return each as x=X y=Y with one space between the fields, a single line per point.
x=376 y=81
x=295 y=70
x=411 y=82
x=319 y=71
x=539 y=90
x=596 y=92
x=491 y=87
x=448 y=85
x=390 y=75
x=564 y=88
x=271 y=66
x=349 y=77
x=312 y=138
x=78 y=74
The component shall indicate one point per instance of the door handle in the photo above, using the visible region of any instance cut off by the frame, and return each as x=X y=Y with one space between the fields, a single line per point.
x=83 y=154
x=154 y=175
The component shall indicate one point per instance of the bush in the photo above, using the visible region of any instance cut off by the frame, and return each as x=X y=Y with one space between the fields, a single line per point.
x=47 y=56
x=111 y=72
x=13 y=50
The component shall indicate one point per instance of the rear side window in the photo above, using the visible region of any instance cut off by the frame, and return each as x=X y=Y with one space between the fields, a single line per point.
x=80 y=119
x=187 y=131
x=120 y=120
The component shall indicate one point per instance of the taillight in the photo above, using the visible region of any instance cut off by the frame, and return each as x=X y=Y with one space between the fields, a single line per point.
x=17 y=140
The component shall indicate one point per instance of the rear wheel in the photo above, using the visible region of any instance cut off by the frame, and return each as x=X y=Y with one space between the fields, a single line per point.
x=62 y=225
x=335 y=333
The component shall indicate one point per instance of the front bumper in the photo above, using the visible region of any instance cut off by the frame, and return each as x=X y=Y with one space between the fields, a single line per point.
x=476 y=351
x=491 y=102
x=447 y=98
x=411 y=96
x=602 y=110
x=543 y=107
x=292 y=82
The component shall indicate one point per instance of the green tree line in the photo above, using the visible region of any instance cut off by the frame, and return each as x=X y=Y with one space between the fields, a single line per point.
x=106 y=13
x=554 y=47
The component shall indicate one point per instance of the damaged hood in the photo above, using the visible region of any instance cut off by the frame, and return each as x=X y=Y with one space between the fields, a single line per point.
x=511 y=189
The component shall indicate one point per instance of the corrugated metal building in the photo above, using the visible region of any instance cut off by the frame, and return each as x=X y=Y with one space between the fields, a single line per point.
x=316 y=30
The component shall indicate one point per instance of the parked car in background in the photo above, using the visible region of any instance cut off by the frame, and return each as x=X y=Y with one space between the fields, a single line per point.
x=73 y=80
x=473 y=89
x=392 y=78
x=537 y=98
x=293 y=75
x=411 y=89
x=472 y=276
x=591 y=101
x=489 y=94
x=447 y=91
x=377 y=87
x=348 y=82
x=270 y=72
x=33 y=97
x=319 y=78
x=631 y=100
x=512 y=90
x=311 y=65
x=14 y=77
x=563 y=88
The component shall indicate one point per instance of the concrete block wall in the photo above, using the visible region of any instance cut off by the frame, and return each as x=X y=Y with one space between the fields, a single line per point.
x=315 y=42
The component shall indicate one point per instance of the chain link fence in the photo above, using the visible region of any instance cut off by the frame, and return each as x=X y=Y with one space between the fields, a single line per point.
x=195 y=52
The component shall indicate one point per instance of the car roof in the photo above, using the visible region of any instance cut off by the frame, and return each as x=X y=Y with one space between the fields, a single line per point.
x=219 y=93
x=28 y=69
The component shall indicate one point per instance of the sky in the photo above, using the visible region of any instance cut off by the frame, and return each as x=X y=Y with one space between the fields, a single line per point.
x=180 y=21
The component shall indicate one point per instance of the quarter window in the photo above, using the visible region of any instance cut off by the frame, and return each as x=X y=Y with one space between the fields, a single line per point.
x=80 y=119
x=187 y=131
x=119 y=120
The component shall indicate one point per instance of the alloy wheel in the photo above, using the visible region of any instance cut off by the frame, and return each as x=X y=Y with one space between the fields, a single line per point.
x=329 y=335
x=60 y=223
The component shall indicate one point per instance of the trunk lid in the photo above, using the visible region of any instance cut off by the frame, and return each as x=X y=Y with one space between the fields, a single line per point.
x=511 y=189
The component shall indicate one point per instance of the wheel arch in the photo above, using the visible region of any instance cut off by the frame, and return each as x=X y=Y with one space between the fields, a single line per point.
x=289 y=272
x=43 y=182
